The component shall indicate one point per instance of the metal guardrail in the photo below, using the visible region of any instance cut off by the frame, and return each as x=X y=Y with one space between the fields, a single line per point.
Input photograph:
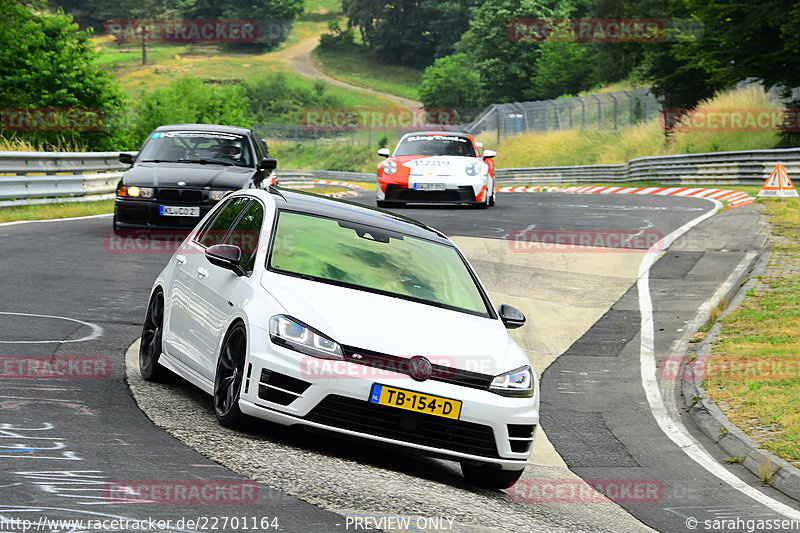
x=750 y=167
x=50 y=177
x=46 y=175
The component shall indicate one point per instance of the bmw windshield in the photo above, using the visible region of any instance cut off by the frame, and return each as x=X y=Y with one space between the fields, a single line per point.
x=202 y=147
x=375 y=260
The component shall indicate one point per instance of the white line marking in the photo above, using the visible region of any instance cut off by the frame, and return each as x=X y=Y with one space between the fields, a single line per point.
x=97 y=331
x=54 y=220
x=672 y=428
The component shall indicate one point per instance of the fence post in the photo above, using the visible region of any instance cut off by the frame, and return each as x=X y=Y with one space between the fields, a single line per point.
x=630 y=100
x=583 y=113
x=599 y=112
x=615 y=109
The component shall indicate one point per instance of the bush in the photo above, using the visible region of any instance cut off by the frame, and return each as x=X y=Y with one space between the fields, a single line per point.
x=280 y=100
x=189 y=100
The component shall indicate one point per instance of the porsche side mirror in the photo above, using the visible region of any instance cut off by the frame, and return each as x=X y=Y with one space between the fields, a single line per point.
x=384 y=152
x=511 y=316
x=488 y=154
x=226 y=256
x=125 y=158
x=268 y=163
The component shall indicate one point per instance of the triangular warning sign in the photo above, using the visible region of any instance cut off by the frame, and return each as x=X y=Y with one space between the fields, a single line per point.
x=778 y=185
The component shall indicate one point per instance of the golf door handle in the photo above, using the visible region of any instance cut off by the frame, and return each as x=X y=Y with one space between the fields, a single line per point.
x=180 y=259
x=202 y=272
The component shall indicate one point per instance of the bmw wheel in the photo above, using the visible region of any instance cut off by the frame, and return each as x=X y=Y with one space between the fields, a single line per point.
x=228 y=377
x=150 y=346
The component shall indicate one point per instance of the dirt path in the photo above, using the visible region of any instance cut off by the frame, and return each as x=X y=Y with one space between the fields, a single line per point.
x=299 y=58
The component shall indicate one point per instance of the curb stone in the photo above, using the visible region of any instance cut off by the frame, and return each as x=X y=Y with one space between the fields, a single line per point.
x=708 y=417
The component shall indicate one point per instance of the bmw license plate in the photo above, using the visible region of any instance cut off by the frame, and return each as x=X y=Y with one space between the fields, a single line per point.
x=429 y=186
x=179 y=211
x=414 y=401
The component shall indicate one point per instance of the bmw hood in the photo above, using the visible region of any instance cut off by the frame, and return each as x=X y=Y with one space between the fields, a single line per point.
x=397 y=327
x=193 y=175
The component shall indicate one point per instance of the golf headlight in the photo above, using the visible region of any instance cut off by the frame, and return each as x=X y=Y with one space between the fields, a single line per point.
x=140 y=192
x=517 y=383
x=218 y=195
x=473 y=169
x=389 y=167
x=291 y=333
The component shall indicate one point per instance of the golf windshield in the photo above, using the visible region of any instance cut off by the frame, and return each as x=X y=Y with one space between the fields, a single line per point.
x=435 y=145
x=375 y=260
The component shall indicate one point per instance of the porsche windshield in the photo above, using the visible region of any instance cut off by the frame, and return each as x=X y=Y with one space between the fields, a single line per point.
x=435 y=145
x=375 y=260
x=203 y=147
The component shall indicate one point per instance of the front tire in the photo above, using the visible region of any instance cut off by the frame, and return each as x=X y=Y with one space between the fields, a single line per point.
x=492 y=198
x=489 y=476
x=151 y=346
x=229 y=376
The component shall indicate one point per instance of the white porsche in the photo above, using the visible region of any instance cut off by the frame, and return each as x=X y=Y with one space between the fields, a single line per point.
x=300 y=309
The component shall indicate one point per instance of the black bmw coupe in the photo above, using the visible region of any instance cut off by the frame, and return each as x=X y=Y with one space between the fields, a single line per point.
x=183 y=170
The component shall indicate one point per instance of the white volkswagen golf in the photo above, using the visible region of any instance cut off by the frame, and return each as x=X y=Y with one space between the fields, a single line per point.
x=300 y=309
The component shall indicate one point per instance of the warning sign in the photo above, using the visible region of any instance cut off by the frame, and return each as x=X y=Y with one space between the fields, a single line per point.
x=778 y=185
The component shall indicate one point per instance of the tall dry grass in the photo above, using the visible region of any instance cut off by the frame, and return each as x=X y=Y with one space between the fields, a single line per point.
x=591 y=146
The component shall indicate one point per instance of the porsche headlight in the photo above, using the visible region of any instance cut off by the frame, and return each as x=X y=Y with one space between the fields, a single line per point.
x=291 y=333
x=517 y=383
x=137 y=192
x=218 y=195
x=389 y=167
x=474 y=168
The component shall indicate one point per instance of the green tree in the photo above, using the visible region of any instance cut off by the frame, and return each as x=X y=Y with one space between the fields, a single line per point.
x=450 y=82
x=505 y=64
x=409 y=32
x=46 y=62
x=242 y=9
x=563 y=68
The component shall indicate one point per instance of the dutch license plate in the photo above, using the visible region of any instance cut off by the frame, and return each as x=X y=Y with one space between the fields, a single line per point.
x=179 y=211
x=415 y=401
x=429 y=186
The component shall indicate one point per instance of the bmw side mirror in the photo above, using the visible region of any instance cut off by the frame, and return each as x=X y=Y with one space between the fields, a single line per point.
x=126 y=158
x=384 y=152
x=511 y=316
x=488 y=154
x=226 y=256
x=268 y=163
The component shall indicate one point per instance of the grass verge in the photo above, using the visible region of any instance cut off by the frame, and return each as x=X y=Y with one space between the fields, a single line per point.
x=362 y=69
x=758 y=348
x=47 y=211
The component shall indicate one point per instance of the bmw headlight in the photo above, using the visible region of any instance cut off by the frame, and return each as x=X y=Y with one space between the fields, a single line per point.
x=291 y=333
x=474 y=168
x=389 y=167
x=517 y=383
x=136 y=192
x=218 y=195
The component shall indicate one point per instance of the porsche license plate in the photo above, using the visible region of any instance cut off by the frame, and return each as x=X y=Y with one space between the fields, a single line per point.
x=429 y=186
x=179 y=211
x=415 y=401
